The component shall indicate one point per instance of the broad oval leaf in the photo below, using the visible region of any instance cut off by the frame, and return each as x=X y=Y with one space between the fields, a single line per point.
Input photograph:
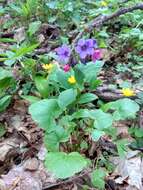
x=31 y=99
x=85 y=98
x=62 y=78
x=91 y=70
x=82 y=113
x=53 y=139
x=97 y=178
x=102 y=120
x=67 y=97
x=124 y=108
x=64 y=165
x=42 y=86
x=44 y=112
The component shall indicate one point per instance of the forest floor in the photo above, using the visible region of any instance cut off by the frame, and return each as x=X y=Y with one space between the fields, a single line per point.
x=22 y=148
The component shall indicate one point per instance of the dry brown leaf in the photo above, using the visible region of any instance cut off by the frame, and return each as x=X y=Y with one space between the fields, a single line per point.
x=130 y=169
x=7 y=146
x=20 y=35
x=28 y=180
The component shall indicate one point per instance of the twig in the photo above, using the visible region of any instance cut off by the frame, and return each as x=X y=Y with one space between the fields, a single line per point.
x=42 y=50
x=136 y=148
x=46 y=187
x=15 y=183
x=82 y=186
x=124 y=1
x=99 y=21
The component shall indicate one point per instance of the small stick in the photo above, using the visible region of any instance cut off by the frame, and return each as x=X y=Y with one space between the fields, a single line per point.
x=46 y=187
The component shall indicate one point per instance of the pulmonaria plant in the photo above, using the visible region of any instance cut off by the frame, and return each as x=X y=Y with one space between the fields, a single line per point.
x=66 y=110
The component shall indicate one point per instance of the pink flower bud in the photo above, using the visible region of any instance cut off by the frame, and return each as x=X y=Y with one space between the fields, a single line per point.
x=96 y=55
x=66 y=68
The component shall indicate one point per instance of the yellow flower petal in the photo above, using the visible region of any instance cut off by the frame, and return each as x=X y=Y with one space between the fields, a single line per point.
x=72 y=80
x=104 y=4
x=48 y=67
x=128 y=92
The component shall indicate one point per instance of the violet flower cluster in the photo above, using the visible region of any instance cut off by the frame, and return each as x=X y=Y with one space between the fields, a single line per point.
x=85 y=48
x=63 y=53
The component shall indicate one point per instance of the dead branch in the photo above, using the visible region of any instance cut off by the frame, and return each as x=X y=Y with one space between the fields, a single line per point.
x=108 y=94
x=7 y=35
x=99 y=21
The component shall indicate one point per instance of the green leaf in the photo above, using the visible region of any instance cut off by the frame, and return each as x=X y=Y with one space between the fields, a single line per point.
x=31 y=99
x=66 y=98
x=91 y=70
x=97 y=178
x=139 y=132
x=82 y=113
x=52 y=5
x=2 y=130
x=122 y=147
x=96 y=134
x=18 y=53
x=6 y=83
x=64 y=165
x=24 y=50
x=5 y=74
x=42 y=86
x=124 y=109
x=84 y=145
x=4 y=102
x=44 y=112
x=79 y=75
x=34 y=27
x=7 y=40
x=62 y=78
x=85 y=98
x=53 y=139
x=95 y=83
x=102 y=120
x=51 y=142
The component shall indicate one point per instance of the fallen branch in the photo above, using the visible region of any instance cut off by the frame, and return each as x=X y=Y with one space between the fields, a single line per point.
x=108 y=94
x=99 y=21
x=7 y=35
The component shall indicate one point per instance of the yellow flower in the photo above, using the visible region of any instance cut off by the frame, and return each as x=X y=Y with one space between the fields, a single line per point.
x=48 y=67
x=72 y=79
x=104 y=3
x=128 y=92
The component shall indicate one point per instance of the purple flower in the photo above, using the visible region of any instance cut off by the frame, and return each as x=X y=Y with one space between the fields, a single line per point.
x=85 y=47
x=63 y=53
